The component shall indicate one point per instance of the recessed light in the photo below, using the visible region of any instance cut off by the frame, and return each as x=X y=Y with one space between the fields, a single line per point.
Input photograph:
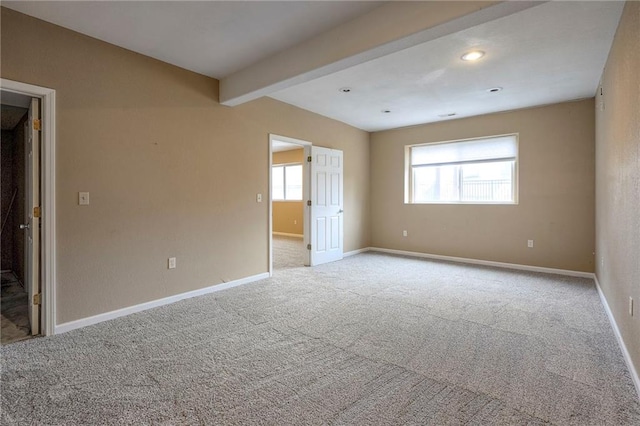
x=385 y=111
x=451 y=114
x=345 y=89
x=474 y=55
x=494 y=89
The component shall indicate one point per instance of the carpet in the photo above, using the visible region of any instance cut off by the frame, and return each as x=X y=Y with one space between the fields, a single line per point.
x=288 y=252
x=372 y=339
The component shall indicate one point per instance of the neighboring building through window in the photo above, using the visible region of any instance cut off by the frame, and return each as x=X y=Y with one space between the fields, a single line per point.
x=475 y=171
x=286 y=182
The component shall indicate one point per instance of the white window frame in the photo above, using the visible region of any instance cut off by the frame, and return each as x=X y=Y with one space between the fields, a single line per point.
x=284 y=181
x=408 y=189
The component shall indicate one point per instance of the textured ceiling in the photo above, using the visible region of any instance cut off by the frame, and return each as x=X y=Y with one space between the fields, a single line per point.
x=213 y=38
x=550 y=53
x=279 y=146
x=544 y=53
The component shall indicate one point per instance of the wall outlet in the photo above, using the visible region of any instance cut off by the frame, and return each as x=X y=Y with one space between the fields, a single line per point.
x=172 y=263
x=295 y=222
x=83 y=198
x=631 y=306
x=530 y=243
x=405 y=233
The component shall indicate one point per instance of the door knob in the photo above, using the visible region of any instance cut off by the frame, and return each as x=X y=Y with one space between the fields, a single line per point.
x=25 y=226
x=340 y=211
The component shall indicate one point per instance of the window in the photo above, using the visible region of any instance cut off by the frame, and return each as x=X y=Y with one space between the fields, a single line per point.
x=477 y=171
x=286 y=182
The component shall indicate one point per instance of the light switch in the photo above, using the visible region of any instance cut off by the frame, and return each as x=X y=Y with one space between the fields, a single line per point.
x=258 y=198
x=83 y=198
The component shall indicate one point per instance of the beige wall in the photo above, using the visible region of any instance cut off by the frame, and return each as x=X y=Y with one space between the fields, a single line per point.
x=618 y=179
x=287 y=215
x=170 y=171
x=556 y=192
x=291 y=156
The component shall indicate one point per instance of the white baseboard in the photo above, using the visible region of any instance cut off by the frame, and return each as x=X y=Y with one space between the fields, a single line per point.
x=486 y=263
x=625 y=353
x=284 y=234
x=354 y=252
x=83 y=322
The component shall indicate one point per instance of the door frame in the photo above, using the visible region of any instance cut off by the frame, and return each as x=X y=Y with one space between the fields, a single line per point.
x=306 y=145
x=47 y=98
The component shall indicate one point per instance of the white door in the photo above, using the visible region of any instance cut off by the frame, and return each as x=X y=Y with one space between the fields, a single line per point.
x=327 y=230
x=32 y=214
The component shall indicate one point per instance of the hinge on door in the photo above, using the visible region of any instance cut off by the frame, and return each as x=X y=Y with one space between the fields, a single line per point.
x=36 y=212
x=36 y=299
x=36 y=124
x=308 y=246
x=308 y=159
x=309 y=203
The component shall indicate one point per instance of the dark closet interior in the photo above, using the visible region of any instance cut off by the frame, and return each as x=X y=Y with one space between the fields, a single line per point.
x=14 y=301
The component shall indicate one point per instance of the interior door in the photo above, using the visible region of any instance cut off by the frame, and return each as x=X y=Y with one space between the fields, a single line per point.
x=32 y=214
x=327 y=224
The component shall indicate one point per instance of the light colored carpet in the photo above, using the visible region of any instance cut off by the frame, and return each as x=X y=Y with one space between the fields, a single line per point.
x=372 y=339
x=288 y=252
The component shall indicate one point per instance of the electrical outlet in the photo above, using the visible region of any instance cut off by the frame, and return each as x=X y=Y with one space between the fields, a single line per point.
x=530 y=243
x=295 y=222
x=404 y=233
x=83 y=198
x=631 y=306
x=172 y=263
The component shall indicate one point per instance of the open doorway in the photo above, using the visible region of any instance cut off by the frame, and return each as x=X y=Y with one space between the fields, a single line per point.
x=288 y=195
x=27 y=210
x=20 y=178
x=305 y=194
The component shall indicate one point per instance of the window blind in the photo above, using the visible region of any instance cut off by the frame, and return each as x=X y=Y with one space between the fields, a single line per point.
x=496 y=148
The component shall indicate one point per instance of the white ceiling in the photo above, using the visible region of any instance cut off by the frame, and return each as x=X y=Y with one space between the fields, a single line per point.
x=548 y=53
x=214 y=38
x=279 y=146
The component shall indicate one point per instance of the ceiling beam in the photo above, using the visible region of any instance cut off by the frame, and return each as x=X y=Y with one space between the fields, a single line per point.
x=387 y=29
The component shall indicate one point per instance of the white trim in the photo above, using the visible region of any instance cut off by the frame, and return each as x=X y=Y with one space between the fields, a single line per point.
x=625 y=353
x=354 y=252
x=84 y=322
x=48 y=195
x=486 y=263
x=284 y=234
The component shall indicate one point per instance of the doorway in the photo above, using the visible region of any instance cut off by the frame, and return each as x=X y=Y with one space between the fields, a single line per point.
x=20 y=319
x=14 y=298
x=27 y=212
x=289 y=188
x=305 y=195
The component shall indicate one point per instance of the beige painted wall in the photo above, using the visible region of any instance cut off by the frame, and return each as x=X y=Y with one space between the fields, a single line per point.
x=171 y=172
x=287 y=215
x=618 y=179
x=556 y=192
